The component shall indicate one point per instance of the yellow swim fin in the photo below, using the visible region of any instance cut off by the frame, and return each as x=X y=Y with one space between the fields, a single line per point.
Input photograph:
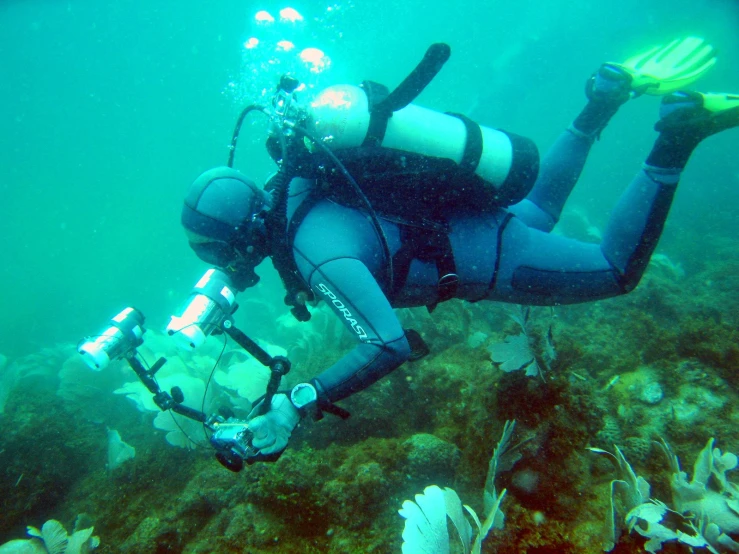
x=720 y=102
x=665 y=69
x=704 y=113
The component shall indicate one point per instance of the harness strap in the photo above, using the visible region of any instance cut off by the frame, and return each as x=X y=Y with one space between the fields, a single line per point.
x=426 y=245
x=472 y=146
x=284 y=263
x=448 y=278
x=299 y=215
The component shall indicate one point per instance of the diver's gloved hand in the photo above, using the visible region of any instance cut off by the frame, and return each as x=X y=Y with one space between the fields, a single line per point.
x=273 y=429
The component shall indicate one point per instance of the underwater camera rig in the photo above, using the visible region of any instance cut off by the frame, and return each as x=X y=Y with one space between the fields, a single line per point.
x=208 y=311
x=211 y=305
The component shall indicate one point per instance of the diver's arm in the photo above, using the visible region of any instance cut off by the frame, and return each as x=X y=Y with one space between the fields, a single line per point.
x=351 y=291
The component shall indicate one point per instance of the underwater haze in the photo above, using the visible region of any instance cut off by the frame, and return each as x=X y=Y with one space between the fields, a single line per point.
x=110 y=109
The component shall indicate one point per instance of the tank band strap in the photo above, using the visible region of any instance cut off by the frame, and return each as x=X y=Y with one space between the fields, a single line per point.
x=472 y=146
x=523 y=171
x=380 y=113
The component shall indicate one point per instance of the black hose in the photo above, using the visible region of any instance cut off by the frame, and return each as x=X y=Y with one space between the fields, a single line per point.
x=277 y=216
x=237 y=129
x=360 y=194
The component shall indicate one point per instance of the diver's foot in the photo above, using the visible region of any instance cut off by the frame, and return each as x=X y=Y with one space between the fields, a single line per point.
x=659 y=71
x=698 y=114
x=610 y=84
x=607 y=90
x=686 y=118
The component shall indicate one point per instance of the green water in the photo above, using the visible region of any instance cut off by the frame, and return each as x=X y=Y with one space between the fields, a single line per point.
x=110 y=109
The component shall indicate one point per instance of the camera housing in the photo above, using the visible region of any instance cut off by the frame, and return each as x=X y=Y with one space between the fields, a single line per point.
x=232 y=440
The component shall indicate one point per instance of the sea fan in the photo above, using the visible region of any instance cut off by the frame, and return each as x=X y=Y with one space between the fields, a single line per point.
x=515 y=353
x=530 y=350
x=248 y=380
x=425 y=530
x=118 y=451
x=52 y=538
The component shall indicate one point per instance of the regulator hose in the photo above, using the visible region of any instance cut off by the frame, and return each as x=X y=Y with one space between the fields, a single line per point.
x=237 y=129
x=360 y=194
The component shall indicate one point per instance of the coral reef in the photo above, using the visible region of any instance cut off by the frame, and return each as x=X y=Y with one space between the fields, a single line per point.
x=660 y=362
x=705 y=510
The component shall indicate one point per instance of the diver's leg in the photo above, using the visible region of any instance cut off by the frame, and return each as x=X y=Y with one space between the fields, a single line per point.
x=657 y=71
x=561 y=167
x=639 y=217
x=539 y=268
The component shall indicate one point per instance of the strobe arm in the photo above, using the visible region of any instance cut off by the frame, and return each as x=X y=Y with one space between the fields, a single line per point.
x=163 y=399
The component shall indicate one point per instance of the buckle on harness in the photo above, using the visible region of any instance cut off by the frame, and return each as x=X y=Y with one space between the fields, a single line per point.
x=447 y=286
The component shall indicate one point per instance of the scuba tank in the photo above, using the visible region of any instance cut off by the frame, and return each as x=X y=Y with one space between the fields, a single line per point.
x=347 y=117
x=375 y=150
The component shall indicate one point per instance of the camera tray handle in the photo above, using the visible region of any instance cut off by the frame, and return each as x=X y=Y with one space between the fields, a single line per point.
x=278 y=365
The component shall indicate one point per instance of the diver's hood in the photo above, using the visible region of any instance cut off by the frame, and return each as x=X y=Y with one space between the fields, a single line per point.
x=221 y=202
x=223 y=216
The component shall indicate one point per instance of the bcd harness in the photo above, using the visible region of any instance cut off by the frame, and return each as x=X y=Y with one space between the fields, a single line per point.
x=426 y=241
x=424 y=187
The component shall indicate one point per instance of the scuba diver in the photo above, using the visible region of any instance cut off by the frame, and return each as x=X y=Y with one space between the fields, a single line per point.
x=426 y=224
